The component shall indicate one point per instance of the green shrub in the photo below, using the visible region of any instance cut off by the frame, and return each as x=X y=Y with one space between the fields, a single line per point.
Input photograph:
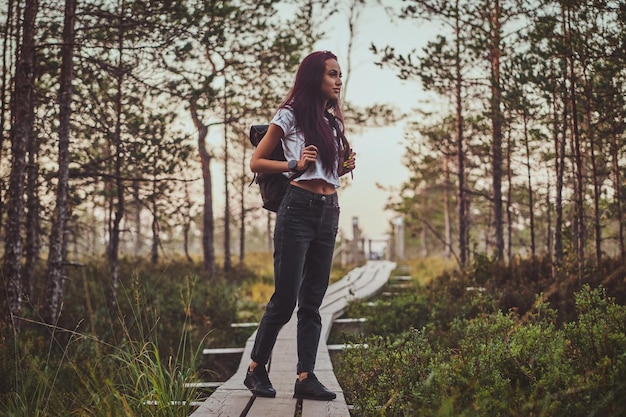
x=597 y=348
x=379 y=378
x=407 y=311
x=496 y=364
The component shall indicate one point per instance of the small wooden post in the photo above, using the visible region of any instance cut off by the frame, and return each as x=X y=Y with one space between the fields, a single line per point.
x=355 y=240
x=399 y=238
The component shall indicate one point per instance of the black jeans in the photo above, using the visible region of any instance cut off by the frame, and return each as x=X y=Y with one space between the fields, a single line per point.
x=304 y=241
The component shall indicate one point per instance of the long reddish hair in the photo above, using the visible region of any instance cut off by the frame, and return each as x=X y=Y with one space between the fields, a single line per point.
x=307 y=101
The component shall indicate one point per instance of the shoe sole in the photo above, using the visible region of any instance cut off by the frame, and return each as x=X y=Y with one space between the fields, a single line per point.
x=310 y=397
x=259 y=394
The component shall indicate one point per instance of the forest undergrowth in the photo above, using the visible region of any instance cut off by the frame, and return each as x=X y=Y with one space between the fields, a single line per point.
x=495 y=340
x=131 y=359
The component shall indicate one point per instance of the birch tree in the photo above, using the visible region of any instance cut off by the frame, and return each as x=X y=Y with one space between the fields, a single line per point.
x=21 y=134
x=56 y=254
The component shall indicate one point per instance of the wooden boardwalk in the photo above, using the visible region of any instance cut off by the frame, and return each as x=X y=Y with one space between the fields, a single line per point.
x=233 y=399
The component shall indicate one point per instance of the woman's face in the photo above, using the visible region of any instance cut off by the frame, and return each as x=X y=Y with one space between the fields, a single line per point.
x=331 y=82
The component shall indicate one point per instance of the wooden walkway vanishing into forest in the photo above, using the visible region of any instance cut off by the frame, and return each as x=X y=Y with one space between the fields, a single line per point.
x=232 y=399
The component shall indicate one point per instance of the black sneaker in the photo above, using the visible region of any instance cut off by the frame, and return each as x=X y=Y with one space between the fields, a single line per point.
x=311 y=388
x=259 y=383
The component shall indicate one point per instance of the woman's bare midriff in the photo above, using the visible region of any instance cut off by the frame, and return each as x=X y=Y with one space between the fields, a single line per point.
x=316 y=186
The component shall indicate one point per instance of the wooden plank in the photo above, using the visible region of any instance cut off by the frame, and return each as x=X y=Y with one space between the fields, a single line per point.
x=282 y=373
x=232 y=399
x=325 y=373
x=190 y=403
x=203 y=384
x=236 y=381
x=226 y=404
x=344 y=346
x=402 y=278
x=244 y=325
x=379 y=274
x=282 y=405
x=350 y=320
x=336 y=408
x=222 y=351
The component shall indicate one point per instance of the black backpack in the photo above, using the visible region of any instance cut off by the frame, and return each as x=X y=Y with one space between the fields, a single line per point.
x=273 y=186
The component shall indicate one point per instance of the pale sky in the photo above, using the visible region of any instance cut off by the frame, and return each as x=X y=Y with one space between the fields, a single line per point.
x=379 y=151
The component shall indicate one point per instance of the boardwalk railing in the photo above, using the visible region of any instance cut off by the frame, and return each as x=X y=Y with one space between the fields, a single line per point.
x=232 y=399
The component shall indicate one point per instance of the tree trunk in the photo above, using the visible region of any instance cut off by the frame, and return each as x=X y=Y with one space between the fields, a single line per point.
x=509 y=198
x=617 y=185
x=187 y=224
x=118 y=211
x=4 y=87
x=446 y=206
x=559 y=152
x=355 y=9
x=596 y=181
x=579 y=230
x=227 y=260
x=462 y=197
x=33 y=225
x=549 y=235
x=207 y=218
x=138 y=231
x=154 y=251
x=21 y=133
x=496 y=124
x=597 y=196
x=531 y=203
x=56 y=255
x=242 y=208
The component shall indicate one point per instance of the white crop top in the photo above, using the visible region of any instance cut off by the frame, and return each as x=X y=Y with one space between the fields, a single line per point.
x=293 y=143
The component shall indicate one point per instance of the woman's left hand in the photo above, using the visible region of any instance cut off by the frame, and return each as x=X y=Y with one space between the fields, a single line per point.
x=348 y=165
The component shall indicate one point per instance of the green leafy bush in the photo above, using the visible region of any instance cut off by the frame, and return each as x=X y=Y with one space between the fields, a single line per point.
x=496 y=364
x=407 y=310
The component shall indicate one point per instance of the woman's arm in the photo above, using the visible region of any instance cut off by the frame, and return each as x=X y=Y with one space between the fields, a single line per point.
x=260 y=162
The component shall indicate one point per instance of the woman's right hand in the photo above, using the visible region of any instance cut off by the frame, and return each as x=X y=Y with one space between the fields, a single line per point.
x=309 y=155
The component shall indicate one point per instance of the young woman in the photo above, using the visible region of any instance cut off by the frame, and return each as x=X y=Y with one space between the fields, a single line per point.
x=307 y=220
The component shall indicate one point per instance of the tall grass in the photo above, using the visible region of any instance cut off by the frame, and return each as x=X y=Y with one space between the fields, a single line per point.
x=49 y=370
